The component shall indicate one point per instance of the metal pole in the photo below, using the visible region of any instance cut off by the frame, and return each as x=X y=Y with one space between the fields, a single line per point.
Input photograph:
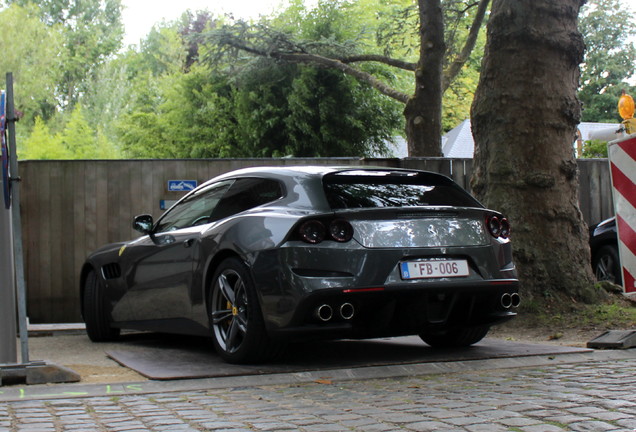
x=17 y=222
x=8 y=351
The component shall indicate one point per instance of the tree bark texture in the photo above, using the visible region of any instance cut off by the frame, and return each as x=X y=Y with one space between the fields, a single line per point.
x=524 y=119
x=423 y=111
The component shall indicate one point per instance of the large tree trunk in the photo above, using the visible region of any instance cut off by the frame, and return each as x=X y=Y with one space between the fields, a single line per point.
x=524 y=118
x=423 y=111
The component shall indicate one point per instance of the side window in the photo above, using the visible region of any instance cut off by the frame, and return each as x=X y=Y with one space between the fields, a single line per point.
x=246 y=194
x=195 y=209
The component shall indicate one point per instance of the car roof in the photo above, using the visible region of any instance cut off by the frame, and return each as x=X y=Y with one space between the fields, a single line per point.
x=310 y=195
x=280 y=170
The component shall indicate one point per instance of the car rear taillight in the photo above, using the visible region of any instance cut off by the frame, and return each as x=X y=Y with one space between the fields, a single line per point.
x=498 y=227
x=494 y=226
x=315 y=231
x=340 y=230
x=312 y=231
x=505 y=228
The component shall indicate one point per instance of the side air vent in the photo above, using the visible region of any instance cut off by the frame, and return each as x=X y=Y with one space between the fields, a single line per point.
x=111 y=271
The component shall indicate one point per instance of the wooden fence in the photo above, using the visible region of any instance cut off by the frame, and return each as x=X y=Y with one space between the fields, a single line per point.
x=70 y=208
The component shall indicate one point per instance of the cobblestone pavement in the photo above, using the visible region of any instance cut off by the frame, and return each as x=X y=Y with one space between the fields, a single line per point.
x=588 y=396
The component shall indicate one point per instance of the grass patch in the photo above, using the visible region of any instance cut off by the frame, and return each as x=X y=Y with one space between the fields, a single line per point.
x=591 y=317
x=562 y=313
x=613 y=315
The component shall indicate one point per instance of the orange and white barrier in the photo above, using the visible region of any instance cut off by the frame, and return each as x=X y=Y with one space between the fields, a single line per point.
x=622 y=159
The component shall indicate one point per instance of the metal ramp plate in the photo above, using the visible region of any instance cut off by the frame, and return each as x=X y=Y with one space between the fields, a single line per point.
x=169 y=357
x=614 y=339
x=36 y=372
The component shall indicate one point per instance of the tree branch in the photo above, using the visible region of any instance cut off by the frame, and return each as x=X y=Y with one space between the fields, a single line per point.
x=468 y=7
x=300 y=57
x=456 y=66
x=381 y=59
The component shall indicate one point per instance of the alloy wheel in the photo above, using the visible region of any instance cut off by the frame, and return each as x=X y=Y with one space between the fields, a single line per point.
x=229 y=311
x=605 y=269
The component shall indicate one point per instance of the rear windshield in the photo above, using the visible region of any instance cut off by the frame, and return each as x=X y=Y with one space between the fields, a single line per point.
x=375 y=189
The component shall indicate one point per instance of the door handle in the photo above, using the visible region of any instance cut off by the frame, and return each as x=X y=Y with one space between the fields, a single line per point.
x=188 y=243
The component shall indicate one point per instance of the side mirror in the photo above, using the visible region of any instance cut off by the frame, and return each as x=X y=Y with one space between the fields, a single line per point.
x=143 y=223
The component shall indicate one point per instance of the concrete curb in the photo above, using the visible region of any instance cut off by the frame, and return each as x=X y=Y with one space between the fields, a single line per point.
x=48 y=329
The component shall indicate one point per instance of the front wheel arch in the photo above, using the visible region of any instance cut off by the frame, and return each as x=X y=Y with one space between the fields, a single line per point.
x=211 y=270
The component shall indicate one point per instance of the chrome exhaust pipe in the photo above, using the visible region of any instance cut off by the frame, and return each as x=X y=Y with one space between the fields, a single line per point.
x=506 y=300
x=324 y=313
x=515 y=300
x=347 y=311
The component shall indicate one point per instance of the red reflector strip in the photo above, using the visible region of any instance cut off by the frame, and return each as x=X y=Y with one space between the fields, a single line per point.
x=629 y=281
x=623 y=185
x=501 y=282
x=629 y=148
x=628 y=234
x=360 y=290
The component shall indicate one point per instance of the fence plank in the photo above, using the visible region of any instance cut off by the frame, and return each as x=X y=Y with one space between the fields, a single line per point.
x=79 y=239
x=45 y=223
x=67 y=302
x=605 y=191
x=585 y=190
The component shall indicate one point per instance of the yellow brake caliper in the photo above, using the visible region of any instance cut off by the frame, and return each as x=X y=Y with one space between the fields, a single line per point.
x=233 y=308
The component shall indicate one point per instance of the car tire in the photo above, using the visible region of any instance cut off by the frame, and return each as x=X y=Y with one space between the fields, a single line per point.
x=96 y=316
x=457 y=337
x=236 y=321
x=606 y=265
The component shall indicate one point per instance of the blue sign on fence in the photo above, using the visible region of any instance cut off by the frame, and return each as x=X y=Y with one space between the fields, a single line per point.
x=166 y=204
x=182 y=185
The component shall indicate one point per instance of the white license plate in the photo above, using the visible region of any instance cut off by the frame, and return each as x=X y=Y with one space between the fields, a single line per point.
x=433 y=269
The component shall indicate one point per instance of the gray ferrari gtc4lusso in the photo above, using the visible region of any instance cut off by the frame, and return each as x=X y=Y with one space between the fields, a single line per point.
x=262 y=256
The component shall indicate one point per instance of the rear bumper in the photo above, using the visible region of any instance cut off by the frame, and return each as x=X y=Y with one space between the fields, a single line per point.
x=402 y=309
x=294 y=281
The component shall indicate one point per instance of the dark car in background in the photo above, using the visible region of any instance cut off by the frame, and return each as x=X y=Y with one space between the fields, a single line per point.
x=604 y=247
x=259 y=257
